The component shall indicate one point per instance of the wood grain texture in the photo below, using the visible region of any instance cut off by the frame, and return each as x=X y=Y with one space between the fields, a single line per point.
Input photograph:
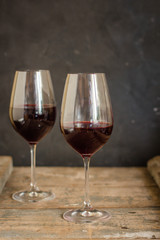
x=109 y=187
x=6 y=167
x=41 y=223
x=153 y=166
x=129 y=194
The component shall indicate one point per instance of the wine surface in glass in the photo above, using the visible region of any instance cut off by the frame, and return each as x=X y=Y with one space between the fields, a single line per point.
x=32 y=122
x=87 y=137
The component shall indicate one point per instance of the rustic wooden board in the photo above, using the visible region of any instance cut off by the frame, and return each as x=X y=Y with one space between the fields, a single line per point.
x=72 y=197
x=153 y=166
x=46 y=238
x=129 y=194
x=55 y=176
x=6 y=167
x=109 y=187
x=48 y=223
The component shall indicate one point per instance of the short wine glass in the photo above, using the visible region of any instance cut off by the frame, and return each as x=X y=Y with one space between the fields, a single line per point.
x=86 y=123
x=32 y=113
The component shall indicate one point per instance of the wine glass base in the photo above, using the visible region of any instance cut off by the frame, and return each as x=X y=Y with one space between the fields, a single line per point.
x=32 y=196
x=86 y=216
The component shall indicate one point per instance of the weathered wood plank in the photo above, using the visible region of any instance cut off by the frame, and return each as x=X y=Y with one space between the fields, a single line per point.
x=67 y=184
x=130 y=194
x=86 y=238
x=101 y=197
x=48 y=223
x=153 y=166
x=55 y=176
x=46 y=238
x=6 y=167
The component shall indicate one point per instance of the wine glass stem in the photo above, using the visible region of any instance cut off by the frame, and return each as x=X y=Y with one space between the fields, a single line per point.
x=87 y=203
x=33 y=167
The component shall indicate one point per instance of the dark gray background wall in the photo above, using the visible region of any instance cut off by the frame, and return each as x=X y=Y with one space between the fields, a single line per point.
x=119 y=37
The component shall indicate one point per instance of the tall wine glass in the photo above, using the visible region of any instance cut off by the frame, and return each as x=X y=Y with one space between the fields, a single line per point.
x=86 y=123
x=32 y=114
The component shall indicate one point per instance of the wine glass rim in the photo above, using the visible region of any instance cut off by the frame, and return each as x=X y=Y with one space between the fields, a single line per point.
x=32 y=70
x=86 y=73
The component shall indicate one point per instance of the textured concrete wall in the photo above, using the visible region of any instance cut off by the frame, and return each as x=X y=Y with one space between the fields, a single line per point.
x=119 y=37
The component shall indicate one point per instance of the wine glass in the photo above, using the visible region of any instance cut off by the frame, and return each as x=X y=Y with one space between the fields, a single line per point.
x=32 y=113
x=86 y=123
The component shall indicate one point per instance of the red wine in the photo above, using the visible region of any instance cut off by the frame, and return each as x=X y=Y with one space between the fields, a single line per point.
x=33 y=123
x=87 y=137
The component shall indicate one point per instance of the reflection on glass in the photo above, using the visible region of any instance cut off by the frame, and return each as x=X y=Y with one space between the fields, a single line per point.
x=32 y=113
x=86 y=123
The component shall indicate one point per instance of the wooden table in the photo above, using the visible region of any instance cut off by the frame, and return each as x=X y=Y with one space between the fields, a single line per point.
x=129 y=194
